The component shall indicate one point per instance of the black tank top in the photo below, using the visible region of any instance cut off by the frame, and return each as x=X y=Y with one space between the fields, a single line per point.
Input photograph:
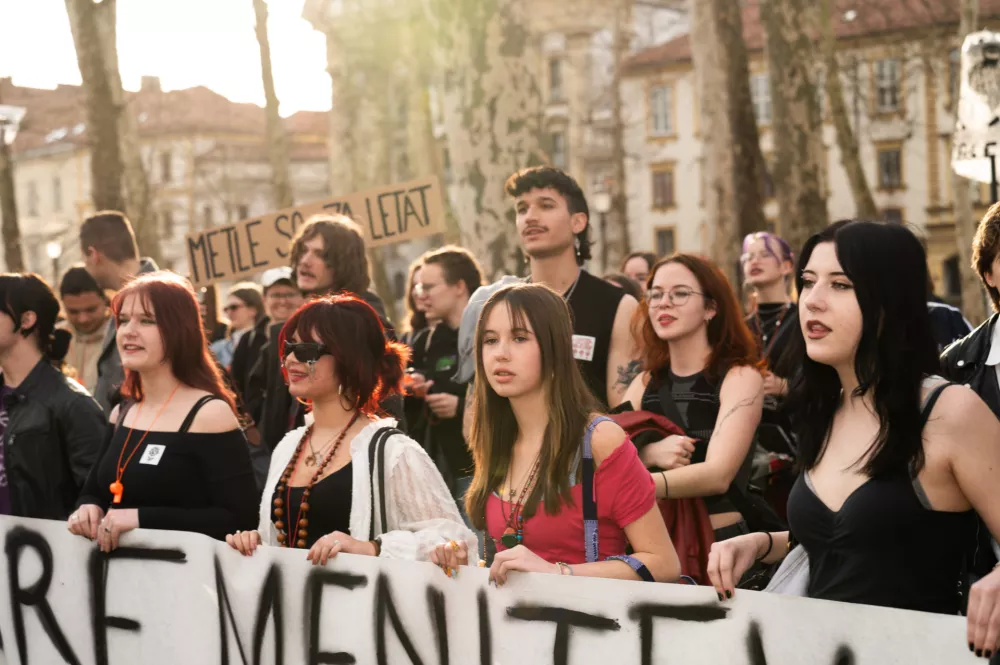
x=885 y=546
x=594 y=304
x=692 y=403
x=329 y=505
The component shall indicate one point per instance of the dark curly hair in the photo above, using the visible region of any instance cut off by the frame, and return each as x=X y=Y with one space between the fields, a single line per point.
x=985 y=246
x=548 y=177
x=343 y=251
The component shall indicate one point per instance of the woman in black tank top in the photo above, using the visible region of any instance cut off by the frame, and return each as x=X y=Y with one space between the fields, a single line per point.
x=701 y=374
x=895 y=461
x=174 y=456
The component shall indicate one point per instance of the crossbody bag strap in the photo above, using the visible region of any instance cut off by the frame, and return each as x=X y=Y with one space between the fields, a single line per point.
x=591 y=545
x=376 y=464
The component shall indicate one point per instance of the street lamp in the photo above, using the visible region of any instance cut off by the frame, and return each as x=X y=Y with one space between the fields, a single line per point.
x=54 y=250
x=602 y=204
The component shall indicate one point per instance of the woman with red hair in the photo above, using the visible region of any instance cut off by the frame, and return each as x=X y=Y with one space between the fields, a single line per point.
x=175 y=457
x=701 y=372
x=349 y=482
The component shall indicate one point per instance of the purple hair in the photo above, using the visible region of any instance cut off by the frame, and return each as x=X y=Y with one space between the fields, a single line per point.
x=770 y=241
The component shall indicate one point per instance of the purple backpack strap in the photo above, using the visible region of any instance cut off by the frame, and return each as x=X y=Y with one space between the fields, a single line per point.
x=590 y=508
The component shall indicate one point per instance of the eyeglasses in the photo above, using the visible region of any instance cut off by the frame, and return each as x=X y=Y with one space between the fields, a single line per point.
x=232 y=308
x=677 y=296
x=422 y=289
x=758 y=256
x=305 y=352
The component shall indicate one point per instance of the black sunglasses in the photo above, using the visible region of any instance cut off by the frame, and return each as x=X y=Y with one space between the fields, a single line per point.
x=305 y=352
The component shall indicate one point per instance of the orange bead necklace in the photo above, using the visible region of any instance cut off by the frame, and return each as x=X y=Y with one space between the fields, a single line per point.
x=117 y=489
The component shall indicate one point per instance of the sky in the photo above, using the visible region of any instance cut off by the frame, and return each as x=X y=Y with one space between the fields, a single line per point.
x=184 y=42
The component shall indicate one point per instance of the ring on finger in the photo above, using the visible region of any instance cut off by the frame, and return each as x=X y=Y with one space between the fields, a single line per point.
x=453 y=545
x=336 y=542
x=107 y=529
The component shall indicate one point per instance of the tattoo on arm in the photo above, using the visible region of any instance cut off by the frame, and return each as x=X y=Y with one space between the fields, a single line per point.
x=742 y=404
x=626 y=375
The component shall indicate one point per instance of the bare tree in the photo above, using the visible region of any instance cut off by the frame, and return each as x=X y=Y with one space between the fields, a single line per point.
x=973 y=304
x=798 y=145
x=847 y=141
x=106 y=168
x=138 y=196
x=732 y=158
x=618 y=240
x=277 y=147
x=493 y=115
x=12 y=254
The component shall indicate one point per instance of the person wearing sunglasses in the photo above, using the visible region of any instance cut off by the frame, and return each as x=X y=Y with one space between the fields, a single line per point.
x=244 y=309
x=320 y=487
x=702 y=374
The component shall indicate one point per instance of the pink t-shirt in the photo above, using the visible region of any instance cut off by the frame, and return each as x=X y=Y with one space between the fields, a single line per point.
x=624 y=492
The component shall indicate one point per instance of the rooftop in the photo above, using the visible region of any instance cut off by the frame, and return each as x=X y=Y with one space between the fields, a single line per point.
x=58 y=117
x=871 y=18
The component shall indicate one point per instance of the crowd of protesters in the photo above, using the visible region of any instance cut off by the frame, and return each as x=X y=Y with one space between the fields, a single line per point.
x=653 y=424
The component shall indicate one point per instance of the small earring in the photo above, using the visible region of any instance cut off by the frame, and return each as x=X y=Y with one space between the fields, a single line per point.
x=340 y=389
x=576 y=244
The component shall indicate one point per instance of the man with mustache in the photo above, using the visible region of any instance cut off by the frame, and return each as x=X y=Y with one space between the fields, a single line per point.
x=553 y=225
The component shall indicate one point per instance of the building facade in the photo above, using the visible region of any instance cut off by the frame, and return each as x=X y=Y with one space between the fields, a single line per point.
x=204 y=156
x=899 y=68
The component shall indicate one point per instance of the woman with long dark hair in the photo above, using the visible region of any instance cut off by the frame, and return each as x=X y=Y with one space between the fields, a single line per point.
x=701 y=373
x=895 y=460
x=175 y=457
x=318 y=494
x=557 y=488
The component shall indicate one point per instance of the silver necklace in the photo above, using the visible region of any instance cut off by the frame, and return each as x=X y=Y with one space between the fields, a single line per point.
x=572 y=287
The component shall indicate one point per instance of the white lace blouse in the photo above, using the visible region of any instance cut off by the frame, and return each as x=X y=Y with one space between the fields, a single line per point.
x=420 y=510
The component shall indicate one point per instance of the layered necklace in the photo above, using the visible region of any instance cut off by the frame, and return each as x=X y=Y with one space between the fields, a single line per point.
x=765 y=336
x=513 y=533
x=300 y=532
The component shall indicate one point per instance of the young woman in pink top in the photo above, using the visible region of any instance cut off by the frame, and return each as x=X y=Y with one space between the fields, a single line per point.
x=557 y=488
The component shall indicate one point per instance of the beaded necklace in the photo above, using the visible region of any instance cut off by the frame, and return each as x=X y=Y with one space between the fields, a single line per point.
x=300 y=533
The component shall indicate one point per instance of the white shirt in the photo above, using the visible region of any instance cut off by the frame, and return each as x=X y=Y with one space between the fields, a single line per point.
x=421 y=512
x=993 y=358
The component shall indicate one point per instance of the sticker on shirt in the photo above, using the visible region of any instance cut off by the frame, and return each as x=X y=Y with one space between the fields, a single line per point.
x=583 y=347
x=153 y=454
x=445 y=364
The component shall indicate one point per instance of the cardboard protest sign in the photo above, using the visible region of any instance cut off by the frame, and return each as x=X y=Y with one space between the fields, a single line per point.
x=977 y=121
x=391 y=214
x=168 y=597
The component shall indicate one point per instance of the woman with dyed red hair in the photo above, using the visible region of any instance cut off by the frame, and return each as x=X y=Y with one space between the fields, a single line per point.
x=175 y=457
x=701 y=372
x=349 y=482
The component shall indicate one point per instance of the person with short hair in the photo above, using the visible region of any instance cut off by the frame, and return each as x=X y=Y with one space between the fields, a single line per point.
x=175 y=457
x=638 y=265
x=111 y=256
x=281 y=295
x=51 y=428
x=448 y=277
x=974 y=360
x=87 y=314
x=553 y=225
x=317 y=496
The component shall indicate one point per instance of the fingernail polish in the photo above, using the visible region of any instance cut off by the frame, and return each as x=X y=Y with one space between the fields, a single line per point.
x=972 y=647
x=979 y=653
x=988 y=653
x=721 y=597
x=729 y=594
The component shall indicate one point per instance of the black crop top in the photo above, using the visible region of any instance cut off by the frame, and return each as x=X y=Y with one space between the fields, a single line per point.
x=885 y=546
x=695 y=409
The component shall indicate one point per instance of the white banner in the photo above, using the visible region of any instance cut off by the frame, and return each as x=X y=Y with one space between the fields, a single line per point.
x=168 y=597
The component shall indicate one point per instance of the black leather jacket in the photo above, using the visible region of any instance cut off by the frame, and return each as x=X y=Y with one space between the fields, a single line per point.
x=965 y=362
x=53 y=437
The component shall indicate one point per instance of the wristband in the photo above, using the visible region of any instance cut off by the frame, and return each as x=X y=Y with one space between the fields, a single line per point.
x=770 y=546
x=378 y=545
x=563 y=566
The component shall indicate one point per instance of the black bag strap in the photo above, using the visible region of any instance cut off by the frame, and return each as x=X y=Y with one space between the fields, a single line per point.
x=376 y=464
x=928 y=406
x=189 y=420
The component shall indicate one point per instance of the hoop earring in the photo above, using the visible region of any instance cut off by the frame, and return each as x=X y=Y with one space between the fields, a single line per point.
x=340 y=389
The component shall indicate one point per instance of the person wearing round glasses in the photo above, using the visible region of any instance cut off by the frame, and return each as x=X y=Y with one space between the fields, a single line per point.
x=322 y=493
x=701 y=372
